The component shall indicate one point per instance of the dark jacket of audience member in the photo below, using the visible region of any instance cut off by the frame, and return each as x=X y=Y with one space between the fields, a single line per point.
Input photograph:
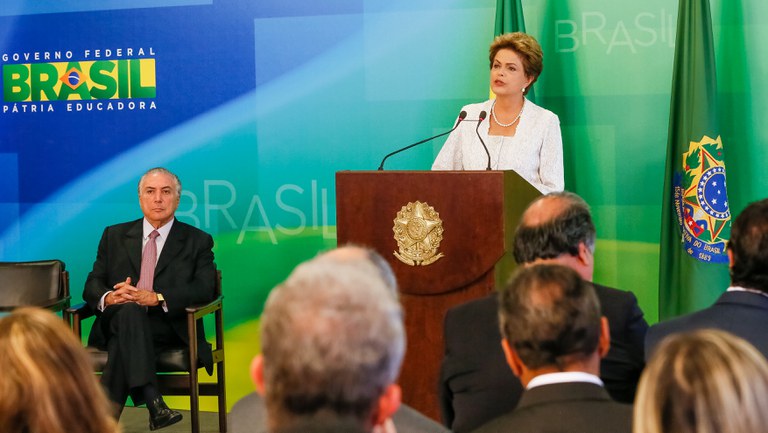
x=743 y=309
x=476 y=384
x=554 y=337
x=249 y=415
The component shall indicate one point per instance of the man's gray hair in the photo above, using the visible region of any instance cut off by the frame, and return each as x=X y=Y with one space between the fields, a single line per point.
x=364 y=257
x=332 y=339
x=163 y=170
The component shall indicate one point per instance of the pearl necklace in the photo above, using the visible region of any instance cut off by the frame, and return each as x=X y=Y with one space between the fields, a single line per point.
x=505 y=125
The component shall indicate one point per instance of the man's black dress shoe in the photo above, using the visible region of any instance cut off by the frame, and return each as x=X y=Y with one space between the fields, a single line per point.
x=160 y=415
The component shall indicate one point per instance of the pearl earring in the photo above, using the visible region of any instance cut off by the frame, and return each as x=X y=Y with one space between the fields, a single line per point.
x=523 y=89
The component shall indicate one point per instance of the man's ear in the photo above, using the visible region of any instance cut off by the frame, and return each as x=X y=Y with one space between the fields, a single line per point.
x=513 y=360
x=604 y=342
x=730 y=258
x=388 y=403
x=257 y=373
x=585 y=254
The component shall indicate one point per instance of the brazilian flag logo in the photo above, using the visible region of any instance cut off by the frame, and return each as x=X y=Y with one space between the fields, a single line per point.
x=701 y=201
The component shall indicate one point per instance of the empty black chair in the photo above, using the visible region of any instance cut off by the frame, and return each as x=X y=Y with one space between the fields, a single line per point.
x=43 y=283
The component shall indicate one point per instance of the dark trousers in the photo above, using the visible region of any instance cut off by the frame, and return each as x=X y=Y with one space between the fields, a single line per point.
x=134 y=334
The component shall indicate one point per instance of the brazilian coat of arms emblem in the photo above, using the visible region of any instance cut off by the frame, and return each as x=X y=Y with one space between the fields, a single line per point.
x=701 y=201
x=418 y=232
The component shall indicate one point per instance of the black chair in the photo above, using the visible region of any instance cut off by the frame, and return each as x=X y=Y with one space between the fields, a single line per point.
x=43 y=283
x=175 y=377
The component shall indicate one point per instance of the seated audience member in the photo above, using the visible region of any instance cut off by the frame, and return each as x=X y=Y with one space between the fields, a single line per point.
x=553 y=340
x=476 y=384
x=249 y=414
x=47 y=383
x=703 y=381
x=332 y=344
x=743 y=309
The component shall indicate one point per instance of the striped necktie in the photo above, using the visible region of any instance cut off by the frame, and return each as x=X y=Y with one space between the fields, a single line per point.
x=148 y=262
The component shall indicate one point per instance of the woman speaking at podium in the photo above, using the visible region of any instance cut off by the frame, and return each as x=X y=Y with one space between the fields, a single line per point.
x=519 y=135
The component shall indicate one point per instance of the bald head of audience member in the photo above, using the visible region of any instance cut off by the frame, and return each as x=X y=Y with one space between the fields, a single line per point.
x=550 y=320
x=332 y=344
x=557 y=228
x=748 y=247
x=703 y=381
x=365 y=258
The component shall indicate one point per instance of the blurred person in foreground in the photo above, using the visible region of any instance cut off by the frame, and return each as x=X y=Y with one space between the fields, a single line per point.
x=47 y=383
x=705 y=381
x=519 y=135
x=249 y=413
x=554 y=337
x=332 y=344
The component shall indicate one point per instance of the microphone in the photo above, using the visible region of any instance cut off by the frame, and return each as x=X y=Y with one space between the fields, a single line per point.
x=480 y=119
x=462 y=116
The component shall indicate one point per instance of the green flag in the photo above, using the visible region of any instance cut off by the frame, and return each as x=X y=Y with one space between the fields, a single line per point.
x=509 y=18
x=696 y=220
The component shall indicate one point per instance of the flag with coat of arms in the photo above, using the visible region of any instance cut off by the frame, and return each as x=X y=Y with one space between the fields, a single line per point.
x=696 y=218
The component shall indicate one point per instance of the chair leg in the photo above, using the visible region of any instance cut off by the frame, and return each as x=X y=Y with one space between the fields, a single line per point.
x=222 y=397
x=194 y=402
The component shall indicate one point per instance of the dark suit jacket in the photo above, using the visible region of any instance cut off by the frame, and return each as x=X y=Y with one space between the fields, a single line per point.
x=477 y=385
x=741 y=313
x=574 y=407
x=184 y=274
x=249 y=415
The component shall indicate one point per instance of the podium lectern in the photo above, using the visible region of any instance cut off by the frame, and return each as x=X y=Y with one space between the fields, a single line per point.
x=446 y=235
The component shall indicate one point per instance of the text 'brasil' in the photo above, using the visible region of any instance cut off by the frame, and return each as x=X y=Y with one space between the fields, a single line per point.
x=87 y=80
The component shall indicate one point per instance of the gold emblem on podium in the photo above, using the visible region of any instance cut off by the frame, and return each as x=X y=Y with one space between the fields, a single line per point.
x=418 y=232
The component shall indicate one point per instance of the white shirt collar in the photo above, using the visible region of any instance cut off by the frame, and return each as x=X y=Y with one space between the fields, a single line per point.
x=163 y=230
x=562 y=377
x=744 y=289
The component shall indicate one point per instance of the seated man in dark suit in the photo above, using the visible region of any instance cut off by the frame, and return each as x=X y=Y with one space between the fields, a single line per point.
x=554 y=338
x=475 y=383
x=145 y=274
x=743 y=308
x=249 y=414
x=332 y=340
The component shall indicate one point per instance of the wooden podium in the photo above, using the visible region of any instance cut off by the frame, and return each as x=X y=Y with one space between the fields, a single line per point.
x=473 y=212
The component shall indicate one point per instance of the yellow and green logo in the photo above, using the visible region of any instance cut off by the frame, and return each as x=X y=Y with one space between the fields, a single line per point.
x=85 y=81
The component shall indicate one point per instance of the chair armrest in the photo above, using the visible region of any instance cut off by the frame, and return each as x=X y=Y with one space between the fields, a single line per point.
x=55 y=304
x=196 y=313
x=199 y=311
x=78 y=313
x=81 y=311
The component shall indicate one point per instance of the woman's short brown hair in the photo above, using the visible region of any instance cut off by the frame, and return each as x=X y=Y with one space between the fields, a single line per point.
x=523 y=45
